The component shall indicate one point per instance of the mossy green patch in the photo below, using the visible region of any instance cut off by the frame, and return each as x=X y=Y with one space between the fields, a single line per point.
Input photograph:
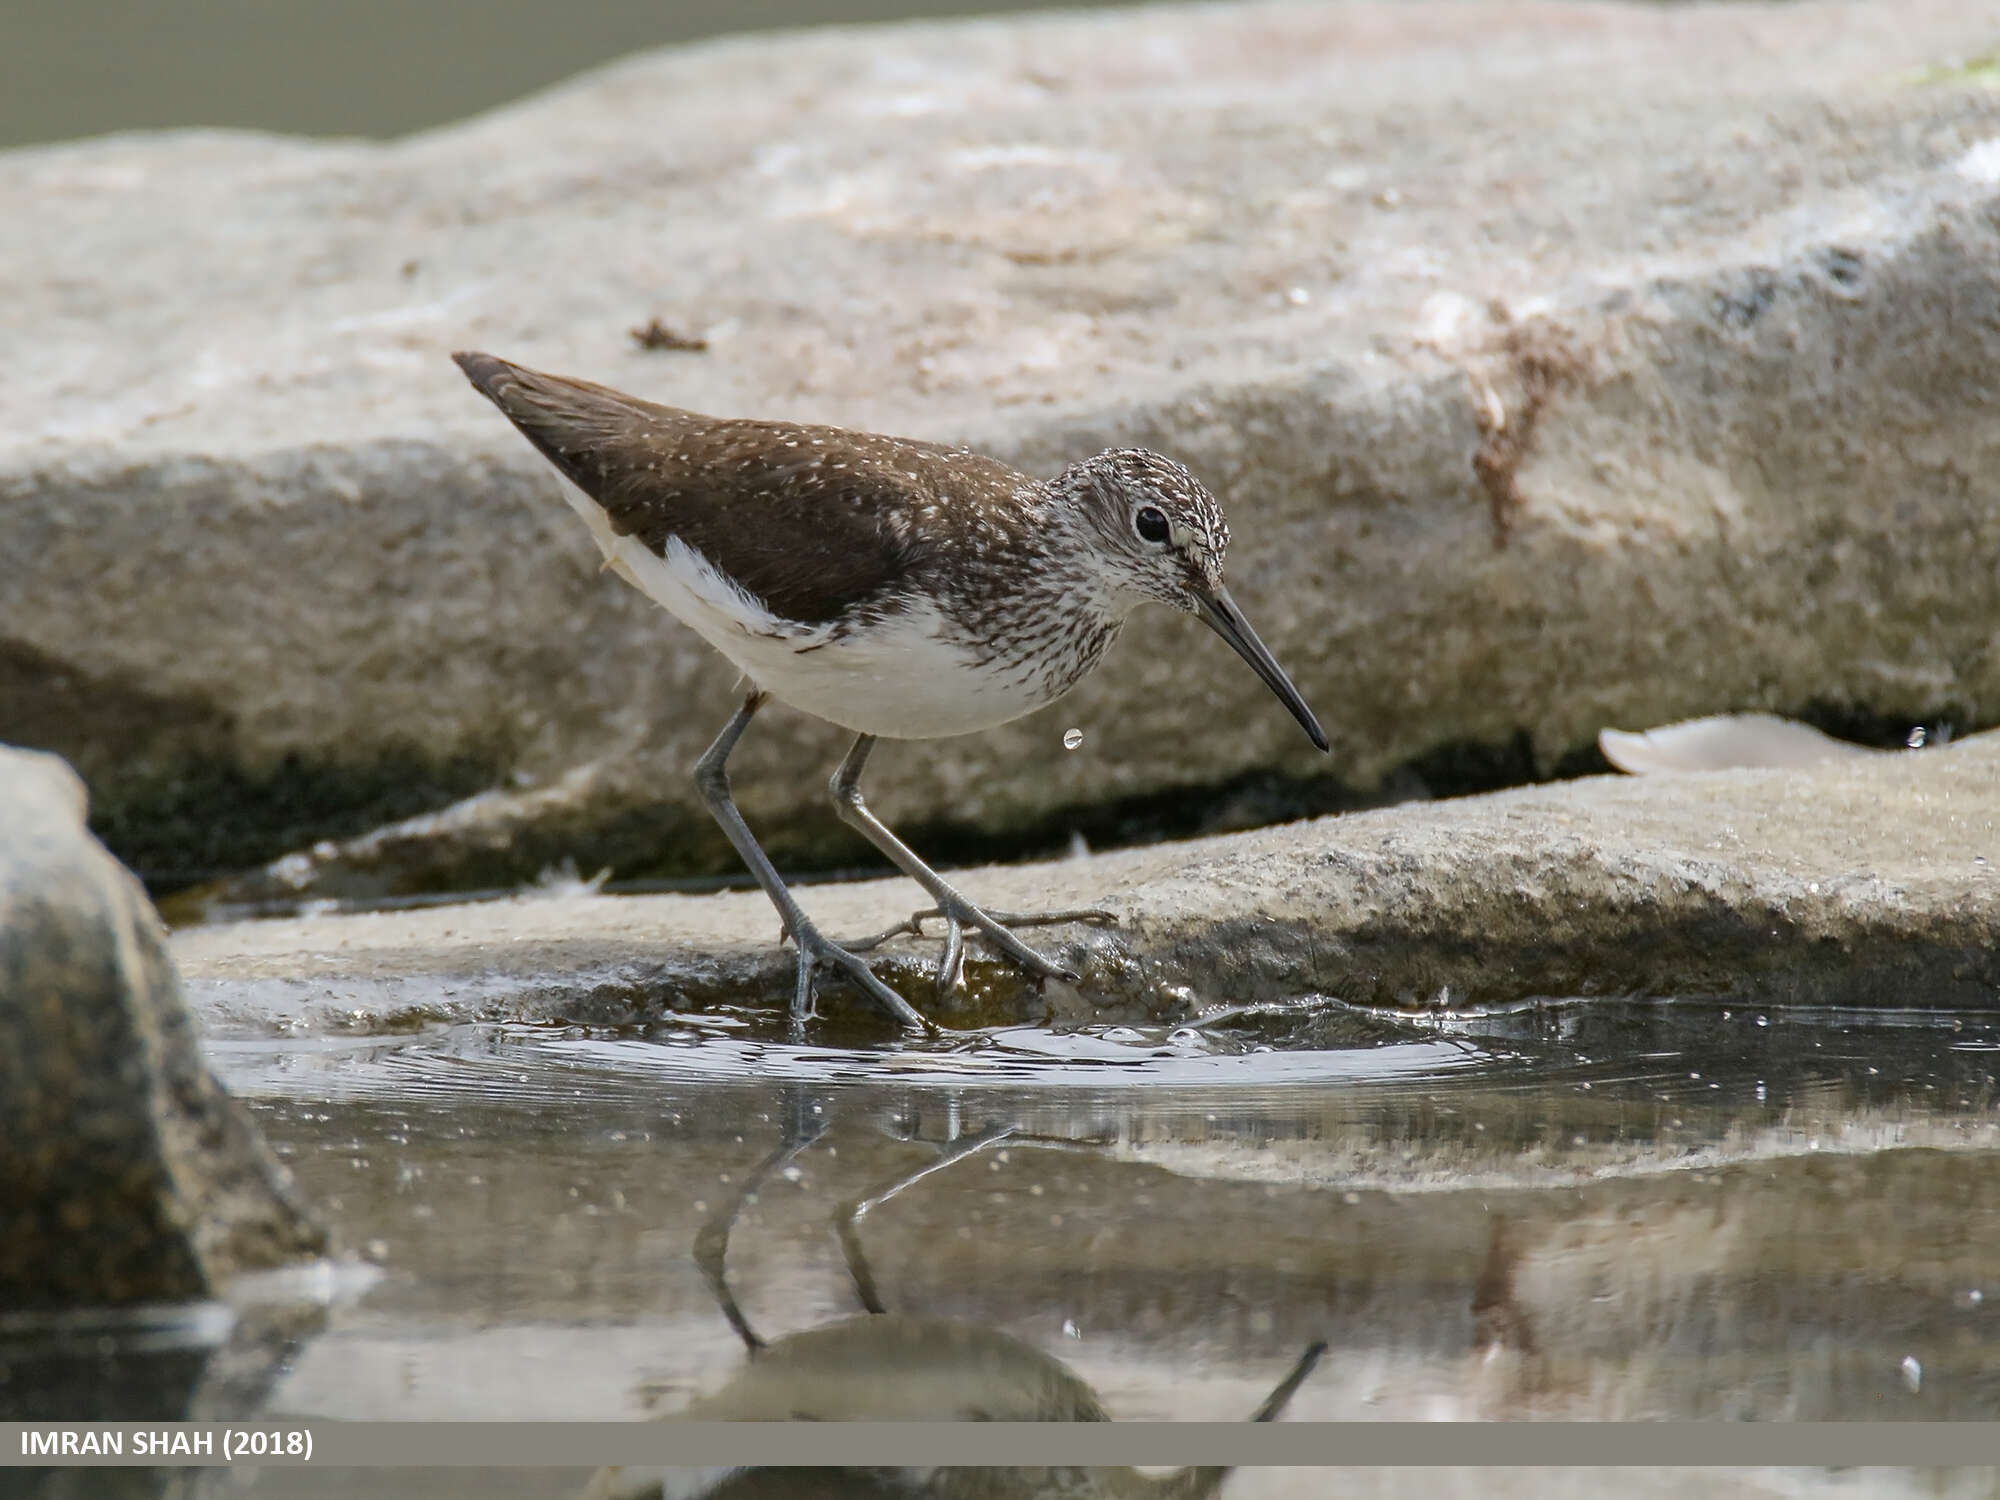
x=1982 y=71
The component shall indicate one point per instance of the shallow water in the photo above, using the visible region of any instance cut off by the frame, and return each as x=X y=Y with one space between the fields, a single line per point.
x=1652 y=1211
x=1631 y=1211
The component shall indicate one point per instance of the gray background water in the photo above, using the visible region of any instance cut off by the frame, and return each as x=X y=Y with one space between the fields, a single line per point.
x=344 y=67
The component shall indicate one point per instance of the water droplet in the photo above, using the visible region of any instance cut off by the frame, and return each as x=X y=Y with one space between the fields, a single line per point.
x=792 y=1173
x=1072 y=738
x=1913 y=1373
x=1915 y=740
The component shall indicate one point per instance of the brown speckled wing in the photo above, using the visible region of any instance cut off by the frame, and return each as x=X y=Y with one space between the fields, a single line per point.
x=818 y=522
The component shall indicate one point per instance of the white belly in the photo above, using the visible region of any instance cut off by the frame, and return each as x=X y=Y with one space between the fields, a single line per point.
x=901 y=679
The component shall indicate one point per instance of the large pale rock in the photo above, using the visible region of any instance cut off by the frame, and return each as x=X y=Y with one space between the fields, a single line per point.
x=1560 y=365
x=1864 y=881
x=126 y=1174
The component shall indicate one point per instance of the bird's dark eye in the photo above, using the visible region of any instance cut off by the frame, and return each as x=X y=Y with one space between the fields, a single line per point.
x=1151 y=525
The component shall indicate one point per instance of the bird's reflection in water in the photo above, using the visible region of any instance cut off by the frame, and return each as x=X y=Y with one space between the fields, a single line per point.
x=884 y=1366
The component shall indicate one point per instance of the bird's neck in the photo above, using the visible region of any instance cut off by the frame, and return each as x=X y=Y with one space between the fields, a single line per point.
x=1039 y=606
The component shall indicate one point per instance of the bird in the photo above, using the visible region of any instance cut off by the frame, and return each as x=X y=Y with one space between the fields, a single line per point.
x=896 y=588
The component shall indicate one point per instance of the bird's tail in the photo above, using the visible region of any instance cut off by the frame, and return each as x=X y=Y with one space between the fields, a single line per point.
x=545 y=405
x=592 y=433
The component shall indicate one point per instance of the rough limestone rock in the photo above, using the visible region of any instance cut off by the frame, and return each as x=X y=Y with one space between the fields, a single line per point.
x=126 y=1174
x=1863 y=881
x=1559 y=364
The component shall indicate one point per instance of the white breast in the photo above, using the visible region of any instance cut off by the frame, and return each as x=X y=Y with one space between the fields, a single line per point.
x=903 y=678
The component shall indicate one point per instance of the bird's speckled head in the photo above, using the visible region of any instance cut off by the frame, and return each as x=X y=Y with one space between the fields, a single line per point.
x=1158 y=529
x=1151 y=531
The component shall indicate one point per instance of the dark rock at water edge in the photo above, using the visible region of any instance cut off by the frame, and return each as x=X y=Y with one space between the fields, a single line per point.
x=127 y=1175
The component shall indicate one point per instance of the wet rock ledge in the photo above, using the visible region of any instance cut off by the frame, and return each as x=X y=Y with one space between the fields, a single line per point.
x=1866 y=881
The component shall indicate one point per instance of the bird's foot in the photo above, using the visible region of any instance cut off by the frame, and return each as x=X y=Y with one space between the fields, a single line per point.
x=958 y=914
x=815 y=949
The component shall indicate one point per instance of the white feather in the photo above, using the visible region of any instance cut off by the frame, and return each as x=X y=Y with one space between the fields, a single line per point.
x=1723 y=742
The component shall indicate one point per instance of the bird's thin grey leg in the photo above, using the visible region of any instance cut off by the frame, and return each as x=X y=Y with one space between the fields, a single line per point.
x=712 y=778
x=846 y=1219
x=1206 y=1482
x=951 y=906
x=1275 y=1403
x=711 y=1241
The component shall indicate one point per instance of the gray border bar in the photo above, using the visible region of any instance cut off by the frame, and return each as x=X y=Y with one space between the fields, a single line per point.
x=1002 y=1444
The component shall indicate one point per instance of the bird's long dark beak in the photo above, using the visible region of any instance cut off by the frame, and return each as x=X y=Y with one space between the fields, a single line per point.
x=1222 y=616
